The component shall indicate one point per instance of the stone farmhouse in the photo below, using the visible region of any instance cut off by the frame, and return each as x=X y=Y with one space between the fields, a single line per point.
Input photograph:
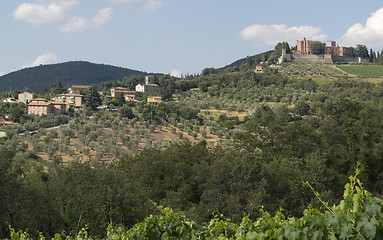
x=149 y=88
x=26 y=97
x=130 y=96
x=41 y=106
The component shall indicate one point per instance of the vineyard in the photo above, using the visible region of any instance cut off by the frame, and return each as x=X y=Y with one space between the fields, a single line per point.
x=370 y=71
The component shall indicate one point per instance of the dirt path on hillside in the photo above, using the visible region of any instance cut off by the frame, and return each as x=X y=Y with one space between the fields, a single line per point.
x=351 y=75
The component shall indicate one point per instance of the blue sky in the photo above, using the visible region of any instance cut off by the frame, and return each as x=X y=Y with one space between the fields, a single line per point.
x=174 y=36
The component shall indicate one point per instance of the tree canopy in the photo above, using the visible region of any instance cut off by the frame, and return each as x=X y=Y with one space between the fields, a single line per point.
x=316 y=47
x=92 y=98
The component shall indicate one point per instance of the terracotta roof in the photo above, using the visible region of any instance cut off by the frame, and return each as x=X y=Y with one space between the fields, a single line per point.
x=3 y=122
x=120 y=88
x=151 y=84
x=39 y=103
x=39 y=99
x=34 y=94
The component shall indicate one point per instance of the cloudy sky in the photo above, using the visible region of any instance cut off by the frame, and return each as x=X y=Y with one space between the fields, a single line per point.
x=175 y=36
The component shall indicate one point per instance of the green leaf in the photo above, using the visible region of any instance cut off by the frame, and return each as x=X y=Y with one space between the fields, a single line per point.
x=345 y=231
x=367 y=227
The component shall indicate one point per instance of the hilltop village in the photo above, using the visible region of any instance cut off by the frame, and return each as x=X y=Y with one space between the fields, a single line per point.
x=74 y=98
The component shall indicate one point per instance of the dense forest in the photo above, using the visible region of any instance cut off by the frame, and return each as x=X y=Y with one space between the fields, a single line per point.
x=69 y=73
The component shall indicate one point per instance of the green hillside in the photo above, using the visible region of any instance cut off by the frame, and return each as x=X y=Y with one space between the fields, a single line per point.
x=69 y=73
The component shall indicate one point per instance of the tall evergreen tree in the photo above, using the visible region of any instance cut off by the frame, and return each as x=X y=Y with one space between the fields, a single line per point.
x=92 y=98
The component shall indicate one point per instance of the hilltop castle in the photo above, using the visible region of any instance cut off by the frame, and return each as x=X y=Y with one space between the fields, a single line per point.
x=332 y=53
x=330 y=47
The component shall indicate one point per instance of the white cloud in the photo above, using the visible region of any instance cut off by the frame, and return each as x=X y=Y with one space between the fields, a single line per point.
x=43 y=12
x=79 y=24
x=103 y=16
x=175 y=73
x=152 y=5
x=272 y=34
x=48 y=58
x=2 y=73
x=371 y=34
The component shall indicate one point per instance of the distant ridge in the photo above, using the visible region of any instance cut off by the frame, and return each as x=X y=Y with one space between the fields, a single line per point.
x=69 y=73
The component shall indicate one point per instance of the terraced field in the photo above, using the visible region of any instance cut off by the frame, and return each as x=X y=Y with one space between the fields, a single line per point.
x=311 y=70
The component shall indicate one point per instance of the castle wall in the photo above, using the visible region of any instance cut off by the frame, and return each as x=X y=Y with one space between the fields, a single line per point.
x=323 y=58
x=338 y=59
x=327 y=58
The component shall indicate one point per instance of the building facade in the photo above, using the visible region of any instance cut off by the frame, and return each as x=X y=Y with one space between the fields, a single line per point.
x=154 y=100
x=303 y=46
x=70 y=100
x=41 y=106
x=118 y=91
x=26 y=97
x=339 y=51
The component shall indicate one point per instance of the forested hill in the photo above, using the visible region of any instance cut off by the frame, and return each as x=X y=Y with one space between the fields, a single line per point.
x=256 y=58
x=69 y=73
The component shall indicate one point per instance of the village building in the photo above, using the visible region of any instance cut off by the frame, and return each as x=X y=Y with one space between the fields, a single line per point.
x=26 y=97
x=70 y=100
x=41 y=106
x=149 y=88
x=6 y=123
x=153 y=100
x=258 y=69
x=118 y=91
x=130 y=96
x=10 y=100
x=78 y=89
